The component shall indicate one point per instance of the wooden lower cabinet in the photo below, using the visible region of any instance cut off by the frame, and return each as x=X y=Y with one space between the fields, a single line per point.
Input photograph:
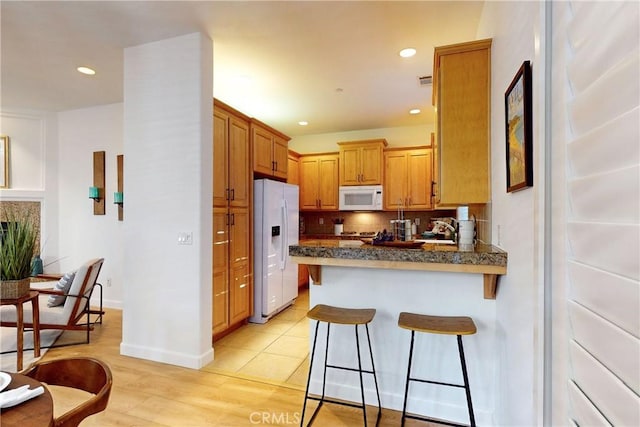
x=239 y=293
x=232 y=269
x=240 y=269
x=220 y=270
x=303 y=275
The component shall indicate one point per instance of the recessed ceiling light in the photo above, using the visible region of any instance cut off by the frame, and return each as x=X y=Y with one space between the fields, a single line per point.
x=414 y=111
x=303 y=123
x=408 y=52
x=86 y=70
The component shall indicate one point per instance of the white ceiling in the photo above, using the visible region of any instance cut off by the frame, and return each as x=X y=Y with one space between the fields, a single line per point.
x=280 y=62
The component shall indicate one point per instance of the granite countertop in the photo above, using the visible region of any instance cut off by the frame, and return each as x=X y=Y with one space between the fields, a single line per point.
x=479 y=254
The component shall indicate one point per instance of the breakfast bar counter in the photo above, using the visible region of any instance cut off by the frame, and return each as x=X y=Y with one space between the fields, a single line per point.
x=436 y=279
x=487 y=260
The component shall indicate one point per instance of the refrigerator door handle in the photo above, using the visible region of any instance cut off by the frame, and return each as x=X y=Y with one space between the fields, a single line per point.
x=284 y=235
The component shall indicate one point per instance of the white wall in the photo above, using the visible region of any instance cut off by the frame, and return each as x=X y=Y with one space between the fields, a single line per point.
x=168 y=114
x=84 y=235
x=396 y=137
x=516 y=222
x=52 y=162
x=33 y=169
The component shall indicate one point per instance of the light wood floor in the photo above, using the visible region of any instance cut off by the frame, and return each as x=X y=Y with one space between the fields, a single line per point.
x=277 y=351
x=147 y=393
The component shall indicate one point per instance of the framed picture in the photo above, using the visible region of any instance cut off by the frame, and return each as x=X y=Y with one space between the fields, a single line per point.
x=4 y=162
x=517 y=104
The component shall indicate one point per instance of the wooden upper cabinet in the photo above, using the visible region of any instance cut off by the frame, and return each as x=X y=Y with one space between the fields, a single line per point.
x=231 y=157
x=270 y=150
x=280 y=156
x=461 y=95
x=293 y=168
x=407 y=182
x=220 y=157
x=239 y=163
x=419 y=179
x=319 y=182
x=361 y=162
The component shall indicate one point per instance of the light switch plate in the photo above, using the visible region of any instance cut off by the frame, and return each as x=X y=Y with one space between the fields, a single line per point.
x=185 y=238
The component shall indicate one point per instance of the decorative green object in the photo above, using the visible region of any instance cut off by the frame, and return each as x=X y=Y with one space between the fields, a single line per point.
x=17 y=248
x=36 y=266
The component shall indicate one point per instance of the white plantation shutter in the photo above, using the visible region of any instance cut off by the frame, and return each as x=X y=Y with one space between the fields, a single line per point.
x=601 y=100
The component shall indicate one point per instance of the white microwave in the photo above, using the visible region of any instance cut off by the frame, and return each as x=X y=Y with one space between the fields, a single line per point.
x=360 y=198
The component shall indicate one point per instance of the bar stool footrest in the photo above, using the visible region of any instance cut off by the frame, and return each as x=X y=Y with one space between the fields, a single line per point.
x=420 y=380
x=344 y=368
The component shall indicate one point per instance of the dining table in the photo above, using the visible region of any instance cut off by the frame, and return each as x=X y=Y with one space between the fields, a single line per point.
x=35 y=412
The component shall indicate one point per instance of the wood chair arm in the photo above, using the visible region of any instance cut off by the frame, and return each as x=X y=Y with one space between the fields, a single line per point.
x=50 y=291
x=50 y=276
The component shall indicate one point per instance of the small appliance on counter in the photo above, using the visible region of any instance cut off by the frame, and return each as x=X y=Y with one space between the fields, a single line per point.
x=466 y=226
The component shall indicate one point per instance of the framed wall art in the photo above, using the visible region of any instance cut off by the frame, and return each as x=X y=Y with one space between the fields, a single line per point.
x=519 y=135
x=4 y=161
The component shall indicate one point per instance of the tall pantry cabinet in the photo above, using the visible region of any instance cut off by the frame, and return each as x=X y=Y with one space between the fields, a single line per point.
x=232 y=186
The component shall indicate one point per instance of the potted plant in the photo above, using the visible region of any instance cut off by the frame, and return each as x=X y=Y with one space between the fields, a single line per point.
x=18 y=242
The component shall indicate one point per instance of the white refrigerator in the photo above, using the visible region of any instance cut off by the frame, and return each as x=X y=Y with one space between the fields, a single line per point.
x=275 y=227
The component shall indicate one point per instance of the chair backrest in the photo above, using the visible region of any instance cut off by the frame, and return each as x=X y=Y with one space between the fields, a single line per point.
x=84 y=373
x=83 y=282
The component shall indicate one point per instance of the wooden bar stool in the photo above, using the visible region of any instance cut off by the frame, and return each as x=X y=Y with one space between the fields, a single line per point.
x=342 y=316
x=437 y=325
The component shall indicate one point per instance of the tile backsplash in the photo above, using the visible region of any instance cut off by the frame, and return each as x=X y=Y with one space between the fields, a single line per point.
x=322 y=222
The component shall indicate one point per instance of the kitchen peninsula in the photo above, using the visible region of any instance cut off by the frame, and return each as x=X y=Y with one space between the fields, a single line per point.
x=432 y=279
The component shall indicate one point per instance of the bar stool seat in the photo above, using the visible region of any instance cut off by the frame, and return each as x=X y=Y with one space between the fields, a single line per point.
x=447 y=325
x=341 y=316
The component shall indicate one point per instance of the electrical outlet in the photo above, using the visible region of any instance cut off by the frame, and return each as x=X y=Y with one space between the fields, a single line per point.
x=417 y=221
x=321 y=221
x=108 y=282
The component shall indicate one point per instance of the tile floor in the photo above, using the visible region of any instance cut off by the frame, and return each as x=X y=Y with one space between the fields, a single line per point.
x=277 y=351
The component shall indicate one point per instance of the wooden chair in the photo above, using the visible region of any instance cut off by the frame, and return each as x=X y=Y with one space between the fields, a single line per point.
x=74 y=314
x=83 y=373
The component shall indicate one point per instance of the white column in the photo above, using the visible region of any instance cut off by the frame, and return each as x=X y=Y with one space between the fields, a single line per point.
x=168 y=89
